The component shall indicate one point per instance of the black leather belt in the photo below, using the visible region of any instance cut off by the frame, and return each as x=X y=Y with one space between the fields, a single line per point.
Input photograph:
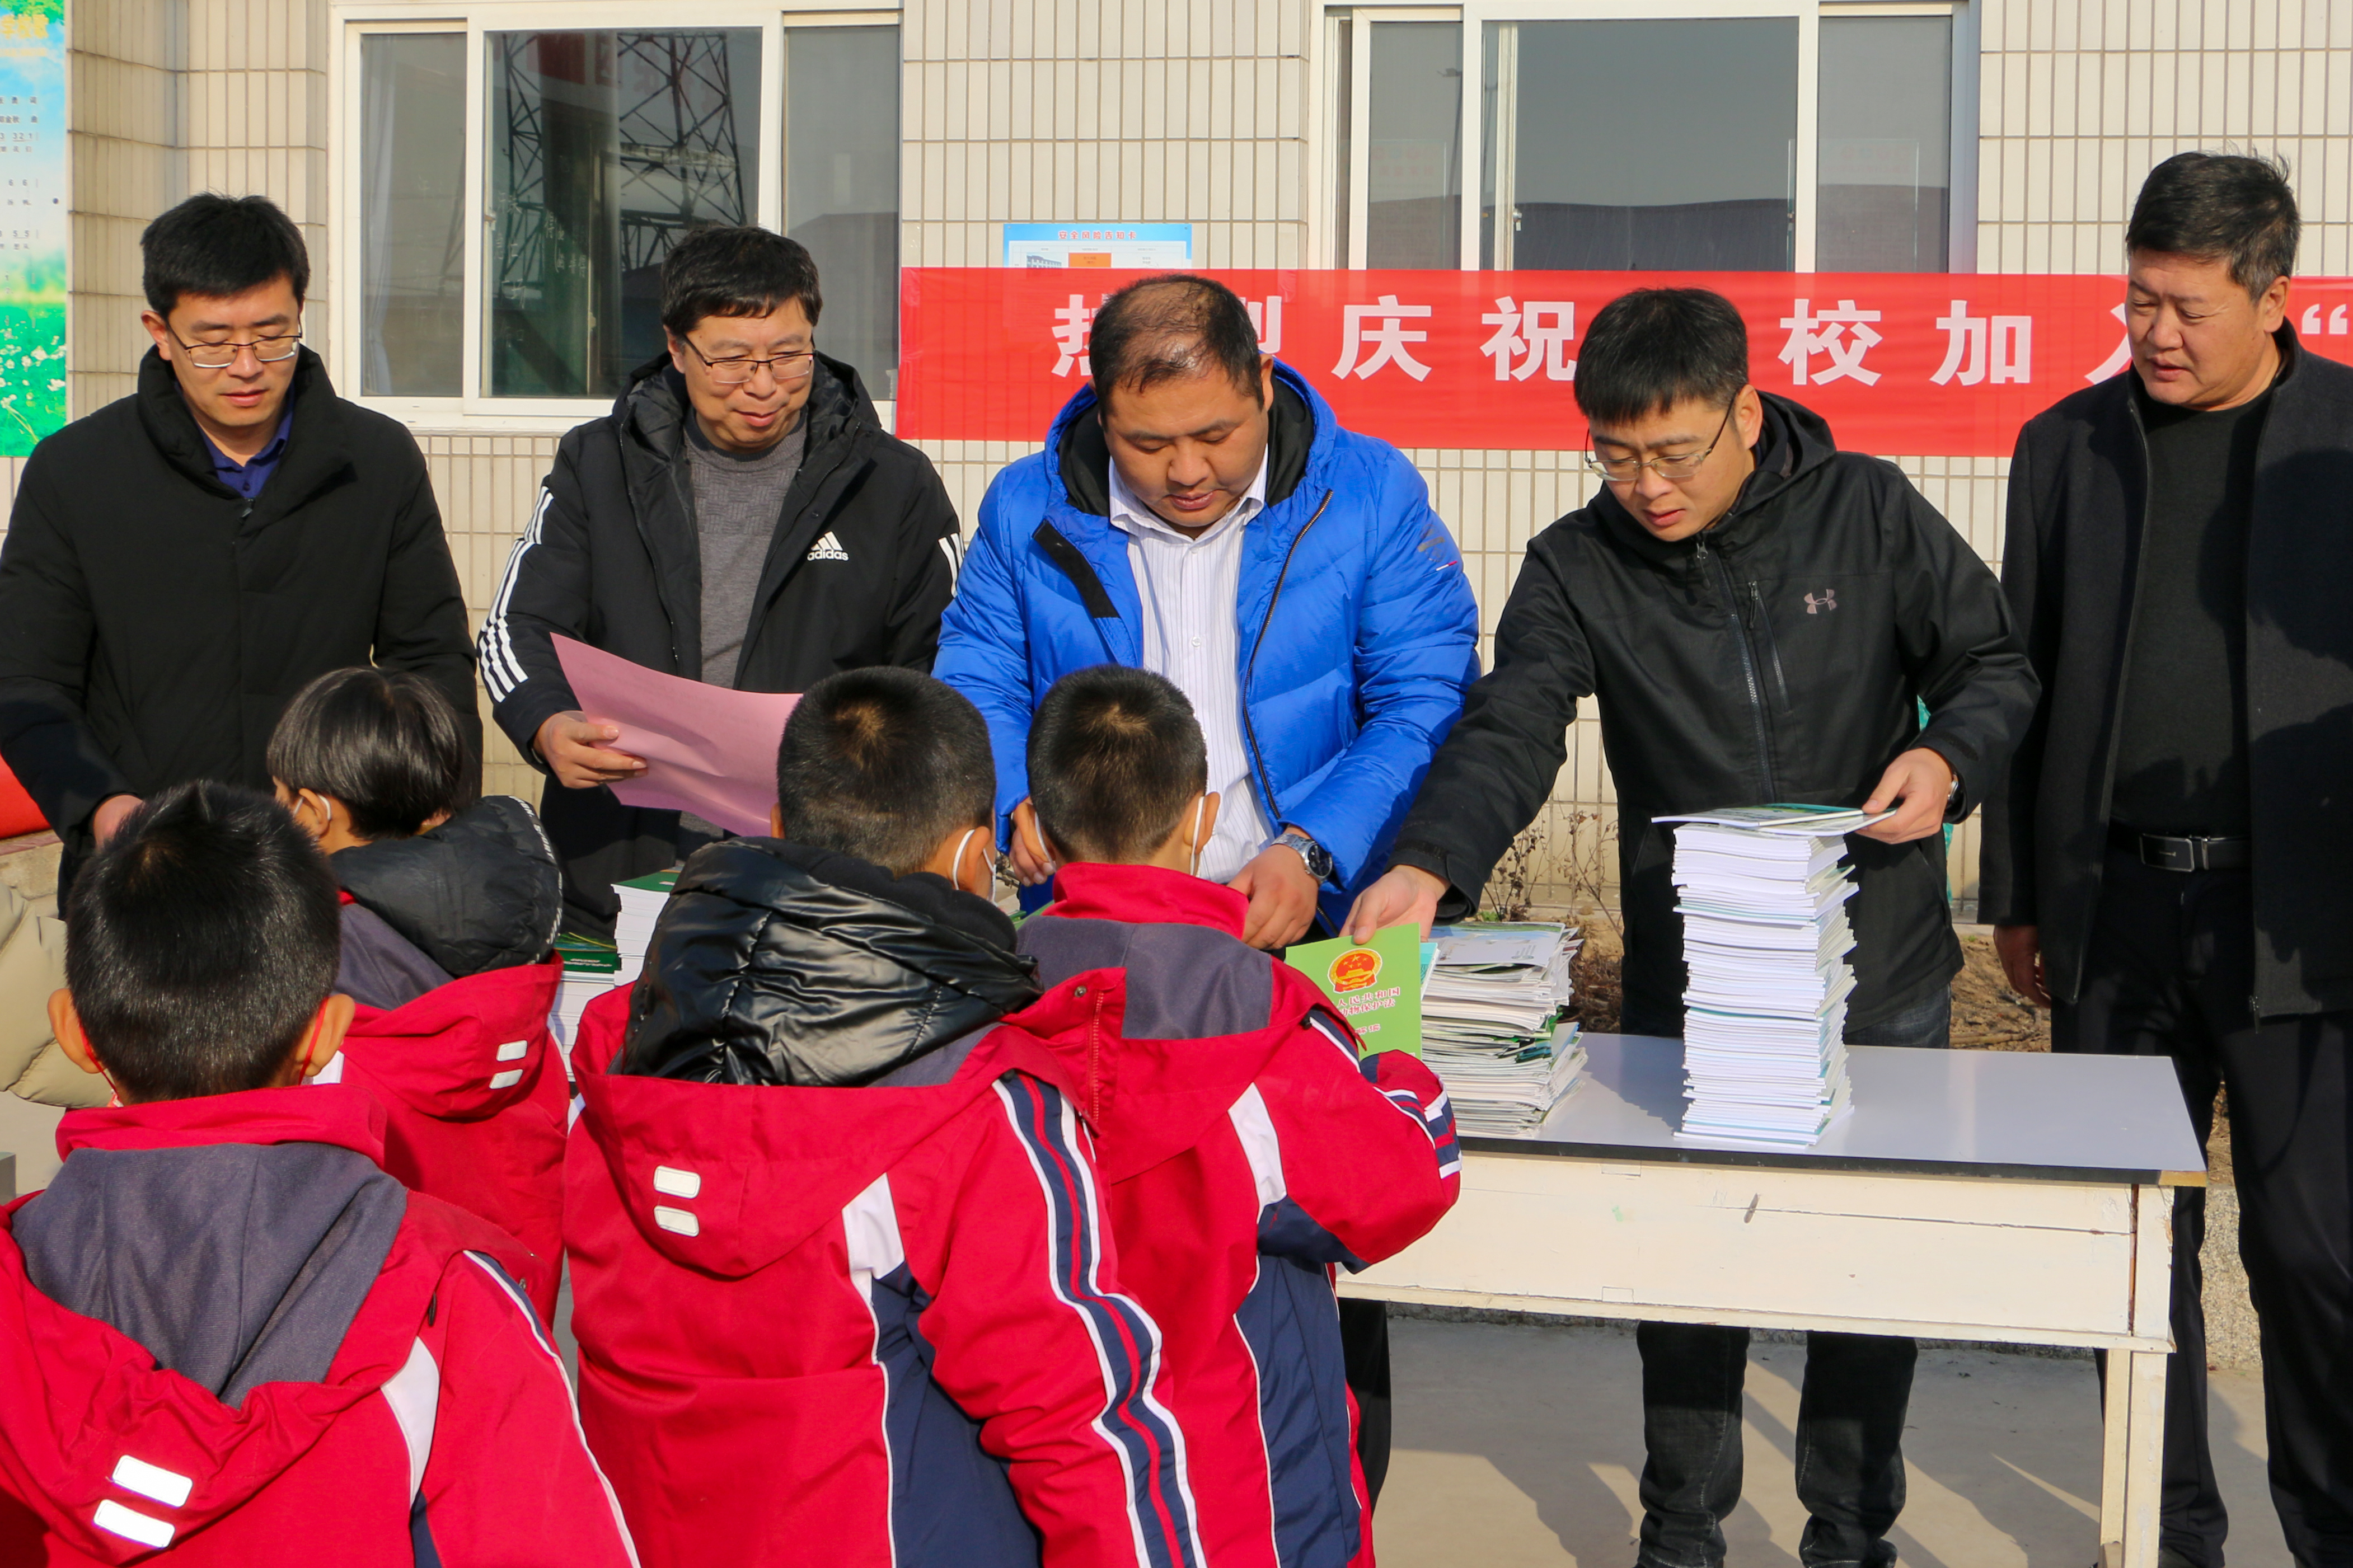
x=2168 y=852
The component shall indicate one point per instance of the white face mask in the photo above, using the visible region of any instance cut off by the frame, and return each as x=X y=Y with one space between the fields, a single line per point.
x=955 y=866
x=1200 y=804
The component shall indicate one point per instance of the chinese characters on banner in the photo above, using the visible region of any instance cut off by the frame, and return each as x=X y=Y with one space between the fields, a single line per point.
x=33 y=209
x=1907 y=364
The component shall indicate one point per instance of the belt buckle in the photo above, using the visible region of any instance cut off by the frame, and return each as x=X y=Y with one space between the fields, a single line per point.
x=2167 y=854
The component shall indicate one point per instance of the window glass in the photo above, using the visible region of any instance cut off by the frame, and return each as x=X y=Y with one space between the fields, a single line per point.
x=605 y=147
x=1587 y=166
x=841 y=188
x=1344 y=131
x=413 y=220
x=1885 y=131
x=1413 y=128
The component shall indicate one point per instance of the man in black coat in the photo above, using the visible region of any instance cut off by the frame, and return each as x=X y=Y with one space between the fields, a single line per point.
x=1761 y=618
x=740 y=518
x=182 y=562
x=2169 y=860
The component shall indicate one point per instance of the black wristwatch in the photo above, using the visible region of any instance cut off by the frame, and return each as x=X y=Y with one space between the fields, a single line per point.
x=1318 y=858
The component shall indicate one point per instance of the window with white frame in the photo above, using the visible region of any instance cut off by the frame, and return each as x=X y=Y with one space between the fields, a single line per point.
x=1700 y=135
x=587 y=153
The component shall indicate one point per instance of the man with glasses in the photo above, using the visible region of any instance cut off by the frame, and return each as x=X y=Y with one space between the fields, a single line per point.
x=741 y=518
x=182 y=562
x=1761 y=618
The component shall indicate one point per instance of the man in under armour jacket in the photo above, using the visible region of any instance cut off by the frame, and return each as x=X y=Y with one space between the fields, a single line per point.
x=1247 y=1153
x=1762 y=619
x=844 y=1296
x=741 y=518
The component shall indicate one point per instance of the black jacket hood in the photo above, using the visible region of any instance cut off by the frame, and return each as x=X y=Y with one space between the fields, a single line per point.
x=1084 y=461
x=779 y=964
x=479 y=892
x=1794 y=442
x=653 y=406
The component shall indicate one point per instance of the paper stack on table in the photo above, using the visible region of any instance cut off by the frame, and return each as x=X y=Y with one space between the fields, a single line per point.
x=1492 y=1027
x=1763 y=896
x=633 y=931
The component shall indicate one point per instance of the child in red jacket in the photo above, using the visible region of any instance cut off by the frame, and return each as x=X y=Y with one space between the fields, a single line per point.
x=223 y=1330
x=1247 y=1153
x=449 y=911
x=839 y=1278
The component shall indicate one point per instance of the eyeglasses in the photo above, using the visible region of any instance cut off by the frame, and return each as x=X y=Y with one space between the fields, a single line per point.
x=1682 y=466
x=272 y=349
x=736 y=372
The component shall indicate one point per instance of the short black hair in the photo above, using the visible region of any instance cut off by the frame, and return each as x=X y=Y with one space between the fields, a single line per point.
x=200 y=940
x=883 y=763
x=1115 y=756
x=2220 y=206
x=1170 y=328
x=1647 y=351
x=735 y=271
x=216 y=246
x=386 y=743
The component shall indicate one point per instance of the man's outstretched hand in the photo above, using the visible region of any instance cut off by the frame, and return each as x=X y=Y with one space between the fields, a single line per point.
x=573 y=746
x=1918 y=785
x=108 y=818
x=1403 y=893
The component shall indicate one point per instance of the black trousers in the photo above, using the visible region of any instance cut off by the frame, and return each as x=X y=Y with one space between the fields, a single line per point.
x=1851 y=1412
x=2169 y=971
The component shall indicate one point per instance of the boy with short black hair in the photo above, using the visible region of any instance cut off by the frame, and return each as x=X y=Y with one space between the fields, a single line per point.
x=1246 y=1151
x=227 y=1330
x=825 y=1211
x=442 y=882
x=450 y=905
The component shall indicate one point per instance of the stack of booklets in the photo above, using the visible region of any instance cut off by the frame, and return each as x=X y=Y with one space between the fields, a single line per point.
x=592 y=967
x=1493 y=1024
x=1763 y=893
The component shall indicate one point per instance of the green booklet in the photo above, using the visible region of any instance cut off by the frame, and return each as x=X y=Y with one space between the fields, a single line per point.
x=1377 y=986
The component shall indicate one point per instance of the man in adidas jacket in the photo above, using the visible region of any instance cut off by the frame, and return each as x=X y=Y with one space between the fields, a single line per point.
x=740 y=518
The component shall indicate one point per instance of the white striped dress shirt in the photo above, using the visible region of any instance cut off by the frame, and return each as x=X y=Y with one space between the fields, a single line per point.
x=1192 y=636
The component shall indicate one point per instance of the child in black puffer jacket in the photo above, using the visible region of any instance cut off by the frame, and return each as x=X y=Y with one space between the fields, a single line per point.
x=439 y=884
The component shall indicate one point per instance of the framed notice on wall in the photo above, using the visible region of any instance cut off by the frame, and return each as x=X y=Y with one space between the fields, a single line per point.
x=1150 y=246
x=32 y=206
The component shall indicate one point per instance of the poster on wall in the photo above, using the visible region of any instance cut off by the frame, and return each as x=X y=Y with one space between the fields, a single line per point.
x=1150 y=245
x=33 y=210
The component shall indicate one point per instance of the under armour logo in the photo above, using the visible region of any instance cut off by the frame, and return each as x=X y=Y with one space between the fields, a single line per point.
x=828 y=549
x=1828 y=601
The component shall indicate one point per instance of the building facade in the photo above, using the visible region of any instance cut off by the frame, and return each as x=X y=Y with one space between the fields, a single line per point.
x=489 y=186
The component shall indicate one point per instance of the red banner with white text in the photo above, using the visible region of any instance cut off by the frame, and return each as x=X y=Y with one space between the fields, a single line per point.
x=1905 y=364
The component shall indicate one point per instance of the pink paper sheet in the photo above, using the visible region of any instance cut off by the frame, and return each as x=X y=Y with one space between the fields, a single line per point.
x=708 y=749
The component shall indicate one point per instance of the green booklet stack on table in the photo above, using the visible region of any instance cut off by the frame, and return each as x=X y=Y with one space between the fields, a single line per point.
x=1495 y=1023
x=591 y=968
x=1376 y=986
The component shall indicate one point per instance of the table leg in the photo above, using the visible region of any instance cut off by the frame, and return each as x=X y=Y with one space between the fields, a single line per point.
x=2143 y=1453
x=2116 y=1430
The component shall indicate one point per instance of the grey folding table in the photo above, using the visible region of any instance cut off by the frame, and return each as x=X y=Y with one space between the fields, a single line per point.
x=2005 y=1197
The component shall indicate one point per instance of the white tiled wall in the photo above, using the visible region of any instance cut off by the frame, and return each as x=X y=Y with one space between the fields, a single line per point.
x=1200 y=110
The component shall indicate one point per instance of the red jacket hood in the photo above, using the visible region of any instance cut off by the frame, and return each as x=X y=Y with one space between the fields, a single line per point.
x=727 y=1178
x=339 y=1114
x=464 y=1051
x=83 y=1406
x=1148 y=1100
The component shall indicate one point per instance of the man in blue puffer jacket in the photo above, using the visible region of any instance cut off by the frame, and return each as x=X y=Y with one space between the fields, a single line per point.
x=1198 y=512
